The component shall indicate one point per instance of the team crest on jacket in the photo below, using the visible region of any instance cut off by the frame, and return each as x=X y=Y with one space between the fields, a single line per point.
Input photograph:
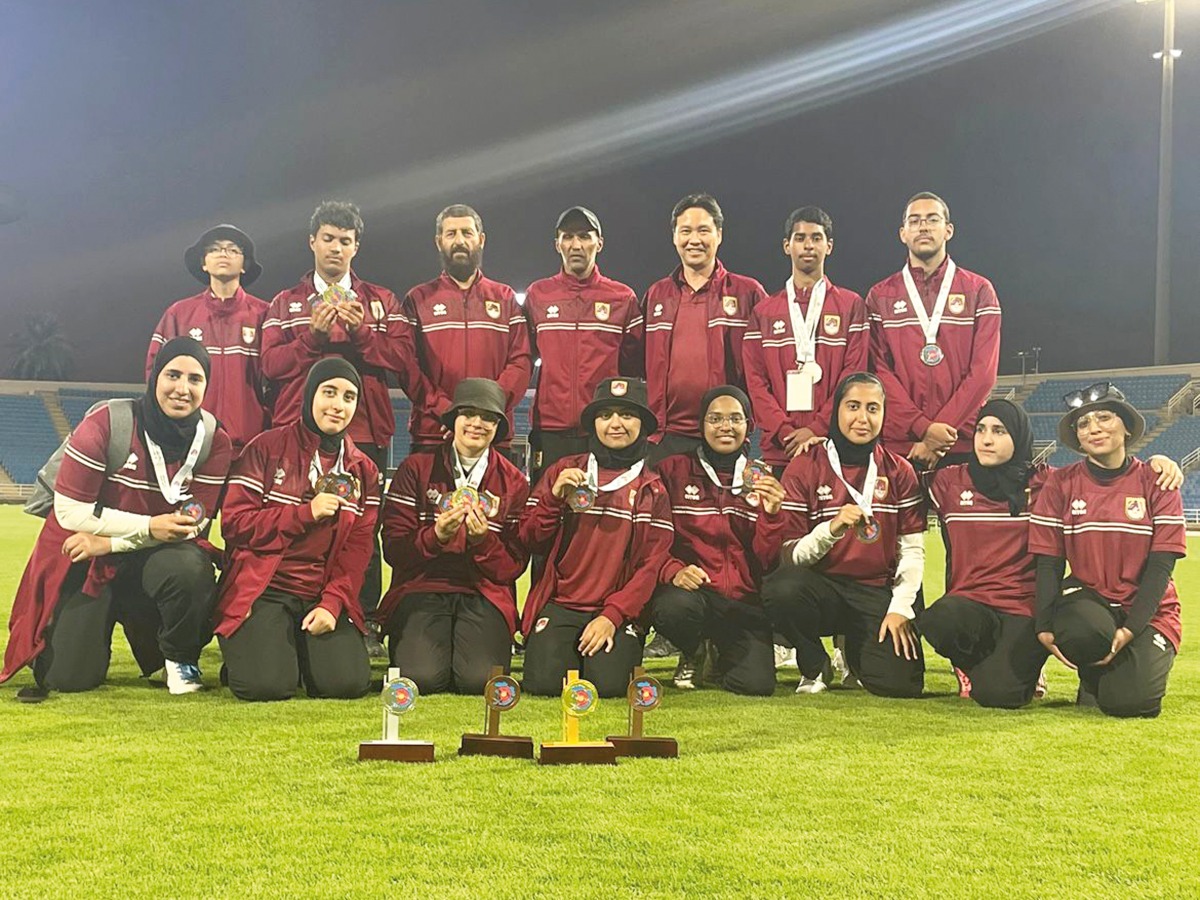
x=729 y=304
x=602 y=311
x=832 y=324
x=956 y=303
x=552 y=312
x=777 y=326
x=248 y=333
x=541 y=624
x=196 y=334
x=618 y=388
x=492 y=308
x=280 y=475
x=1135 y=508
x=881 y=488
x=691 y=492
x=439 y=309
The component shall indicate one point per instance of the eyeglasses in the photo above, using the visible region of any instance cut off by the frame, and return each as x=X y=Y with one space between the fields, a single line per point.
x=1102 y=417
x=1101 y=390
x=932 y=220
x=224 y=250
x=734 y=419
x=488 y=417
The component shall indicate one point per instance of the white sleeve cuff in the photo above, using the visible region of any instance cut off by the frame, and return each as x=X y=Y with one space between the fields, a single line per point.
x=810 y=549
x=910 y=569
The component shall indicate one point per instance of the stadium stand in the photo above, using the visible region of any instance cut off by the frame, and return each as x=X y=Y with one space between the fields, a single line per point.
x=75 y=402
x=1143 y=391
x=29 y=437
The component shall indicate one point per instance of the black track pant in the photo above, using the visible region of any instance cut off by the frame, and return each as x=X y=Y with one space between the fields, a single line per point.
x=999 y=651
x=1134 y=683
x=163 y=597
x=804 y=605
x=448 y=642
x=741 y=632
x=269 y=656
x=368 y=595
x=553 y=647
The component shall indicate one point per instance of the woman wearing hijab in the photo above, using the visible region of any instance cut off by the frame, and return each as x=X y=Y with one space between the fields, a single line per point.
x=853 y=553
x=727 y=537
x=299 y=525
x=1116 y=618
x=119 y=546
x=603 y=520
x=450 y=534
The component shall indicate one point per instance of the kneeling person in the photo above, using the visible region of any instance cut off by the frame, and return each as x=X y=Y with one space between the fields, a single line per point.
x=450 y=534
x=727 y=536
x=603 y=521
x=299 y=525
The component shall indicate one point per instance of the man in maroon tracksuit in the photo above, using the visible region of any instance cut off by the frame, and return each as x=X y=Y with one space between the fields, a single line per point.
x=228 y=322
x=696 y=319
x=333 y=312
x=801 y=341
x=935 y=341
x=465 y=326
x=585 y=327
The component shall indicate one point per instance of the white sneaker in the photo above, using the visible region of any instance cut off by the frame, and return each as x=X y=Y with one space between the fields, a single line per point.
x=841 y=671
x=1042 y=688
x=811 y=685
x=182 y=678
x=785 y=656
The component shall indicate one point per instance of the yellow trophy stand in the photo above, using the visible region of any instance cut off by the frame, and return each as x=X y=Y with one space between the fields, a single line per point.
x=579 y=699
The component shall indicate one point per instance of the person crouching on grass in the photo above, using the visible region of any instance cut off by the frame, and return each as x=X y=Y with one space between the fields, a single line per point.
x=119 y=546
x=450 y=534
x=853 y=553
x=1116 y=618
x=299 y=525
x=603 y=521
x=727 y=536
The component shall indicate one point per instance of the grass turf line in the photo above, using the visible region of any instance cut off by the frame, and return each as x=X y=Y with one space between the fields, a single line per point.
x=128 y=791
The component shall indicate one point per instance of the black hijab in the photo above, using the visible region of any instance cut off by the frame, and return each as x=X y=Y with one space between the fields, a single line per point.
x=1009 y=480
x=608 y=458
x=850 y=453
x=324 y=370
x=173 y=436
x=724 y=462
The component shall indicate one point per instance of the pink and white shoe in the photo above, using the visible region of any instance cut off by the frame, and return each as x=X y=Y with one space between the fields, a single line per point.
x=964 y=683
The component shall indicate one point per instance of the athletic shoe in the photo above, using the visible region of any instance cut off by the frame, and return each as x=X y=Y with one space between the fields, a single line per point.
x=784 y=656
x=182 y=678
x=841 y=671
x=659 y=647
x=1042 y=688
x=685 y=673
x=811 y=685
x=964 y=682
x=375 y=650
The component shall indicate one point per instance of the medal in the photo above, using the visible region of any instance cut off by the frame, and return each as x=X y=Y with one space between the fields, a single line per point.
x=193 y=508
x=490 y=503
x=867 y=531
x=465 y=494
x=502 y=692
x=812 y=369
x=804 y=328
x=582 y=498
x=931 y=354
x=335 y=294
x=755 y=471
x=342 y=485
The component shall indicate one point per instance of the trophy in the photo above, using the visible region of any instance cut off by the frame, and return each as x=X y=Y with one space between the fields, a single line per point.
x=399 y=697
x=579 y=698
x=644 y=694
x=500 y=694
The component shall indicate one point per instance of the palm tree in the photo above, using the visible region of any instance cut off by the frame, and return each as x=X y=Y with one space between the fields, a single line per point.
x=41 y=352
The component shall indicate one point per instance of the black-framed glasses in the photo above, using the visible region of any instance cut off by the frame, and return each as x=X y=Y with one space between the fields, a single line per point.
x=734 y=419
x=223 y=250
x=1101 y=390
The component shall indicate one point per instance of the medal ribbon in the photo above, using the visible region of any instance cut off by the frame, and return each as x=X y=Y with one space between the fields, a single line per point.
x=172 y=490
x=473 y=478
x=804 y=328
x=929 y=325
x=739 y=469
x=868 y=492
x=314 y=467
x=593 y=475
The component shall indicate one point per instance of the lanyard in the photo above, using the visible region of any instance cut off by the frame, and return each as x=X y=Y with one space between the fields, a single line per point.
x=804 y=328
x=593 y=475
x=172 y=490
x=739 y=469
x=473 y=478
x=930 y=325
x=314 y=467
x=868 y=492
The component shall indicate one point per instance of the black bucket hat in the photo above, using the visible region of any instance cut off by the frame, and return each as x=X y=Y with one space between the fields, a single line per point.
x=620 y=392
x=1101 y=395
x=478 y=393
x=193 y=256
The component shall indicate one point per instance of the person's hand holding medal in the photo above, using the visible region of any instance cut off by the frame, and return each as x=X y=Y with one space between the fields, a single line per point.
x=332 y=490
x=762 y=488
x=572 y=486
x=849 y=516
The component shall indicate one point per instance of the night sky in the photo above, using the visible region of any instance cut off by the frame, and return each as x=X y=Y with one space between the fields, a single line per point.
x=131 y=126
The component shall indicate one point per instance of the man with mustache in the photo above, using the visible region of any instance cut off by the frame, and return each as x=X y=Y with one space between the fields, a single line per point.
x=465 y=325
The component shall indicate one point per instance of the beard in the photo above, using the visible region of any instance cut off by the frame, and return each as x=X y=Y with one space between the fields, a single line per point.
x=459 y=268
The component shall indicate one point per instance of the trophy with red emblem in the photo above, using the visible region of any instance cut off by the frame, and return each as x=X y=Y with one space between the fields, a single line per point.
x=399 y=697
x=579 y=700
x=644 y=694
x=500 y=694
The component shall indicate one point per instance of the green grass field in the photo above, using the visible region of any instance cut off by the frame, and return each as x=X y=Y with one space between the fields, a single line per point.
x=130 y=792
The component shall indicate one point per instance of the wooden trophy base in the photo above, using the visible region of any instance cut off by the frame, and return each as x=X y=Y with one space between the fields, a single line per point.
x=396 y=751
x=496 y=745
x=567 y=752
x=659 y=747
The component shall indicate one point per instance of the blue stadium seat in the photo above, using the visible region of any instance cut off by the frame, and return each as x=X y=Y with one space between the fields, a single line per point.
x=28 y=437
x=1144 y=391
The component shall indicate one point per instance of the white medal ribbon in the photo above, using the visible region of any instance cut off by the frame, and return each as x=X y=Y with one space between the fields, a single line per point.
x=473 y=478
x=593 y=475
x=868 y=492
x=804 y=328
x=930 y=325
x=314 y=466
x=172 y=490
x=739 y=470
